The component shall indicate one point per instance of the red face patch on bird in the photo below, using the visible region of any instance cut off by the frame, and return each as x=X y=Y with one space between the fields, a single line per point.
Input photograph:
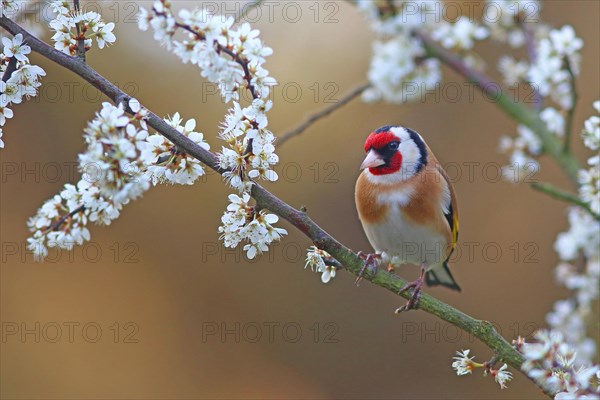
x=382 y=145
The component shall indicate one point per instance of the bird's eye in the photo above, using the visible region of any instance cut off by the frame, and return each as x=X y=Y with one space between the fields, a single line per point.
x=394 y=145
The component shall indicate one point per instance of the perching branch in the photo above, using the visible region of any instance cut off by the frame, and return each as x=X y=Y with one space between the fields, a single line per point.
x=517 y=111
x=481 y=329
x=354 y=93
x=560 y=194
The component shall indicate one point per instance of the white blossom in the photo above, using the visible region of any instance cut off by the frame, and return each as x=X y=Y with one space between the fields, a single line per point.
x=523 y=149
x=501 y=376
x=165 y=163
x=513 y=72
x=503 y=17
x=591 y=129
x=242 y=222
x=15 y=48
x=231 y=57
x=315 y=259
x=554 y=121
x=90 y=23
x=208 y=40
x=463 y=364
x=397 y=72
x=24 y=81
x=553 y=364
x=583 y=235
x=460 y=35
x=556 y=54
x=112 y=176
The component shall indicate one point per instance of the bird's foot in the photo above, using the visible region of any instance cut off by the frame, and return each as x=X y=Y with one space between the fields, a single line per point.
x=413 y=301
x=370 y=264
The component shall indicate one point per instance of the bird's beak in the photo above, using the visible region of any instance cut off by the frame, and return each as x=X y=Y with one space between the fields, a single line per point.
x=372 y=160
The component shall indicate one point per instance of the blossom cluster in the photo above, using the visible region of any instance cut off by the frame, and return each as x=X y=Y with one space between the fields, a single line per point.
x=400 y=68
x=242 y=222
x=120 y=164
x=579 y=253
x=164 y=163
x=71 y=26
x=232 y=57
x=8 y=7
x=463 y=365
x=589 y=179
x=460 y=35
x=508 y=17
x=250 y=152
x=523 y=151
x=553 y=363
x=225 y=54
x=557 y=57
x=23 y=81
x=315 y=259
x=550 y=75
x=111 y=177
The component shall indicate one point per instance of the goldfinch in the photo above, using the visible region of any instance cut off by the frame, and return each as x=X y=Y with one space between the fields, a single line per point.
x=407 y=207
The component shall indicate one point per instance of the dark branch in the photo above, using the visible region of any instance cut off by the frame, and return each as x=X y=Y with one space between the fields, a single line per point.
x=10 y=68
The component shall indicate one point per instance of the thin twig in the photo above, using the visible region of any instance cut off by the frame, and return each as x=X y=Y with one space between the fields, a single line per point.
x=571 y=111
x=481 y=329
x=563 y=195
x=80 y=34
x=55 y=226
x=357 y=91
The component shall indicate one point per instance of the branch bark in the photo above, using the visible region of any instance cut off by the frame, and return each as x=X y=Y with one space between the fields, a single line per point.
x=481 y=329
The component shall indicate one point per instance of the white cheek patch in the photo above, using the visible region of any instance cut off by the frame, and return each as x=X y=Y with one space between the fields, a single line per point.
x=411 y=158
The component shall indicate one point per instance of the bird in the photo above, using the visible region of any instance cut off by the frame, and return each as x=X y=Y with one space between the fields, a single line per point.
x=408 y=209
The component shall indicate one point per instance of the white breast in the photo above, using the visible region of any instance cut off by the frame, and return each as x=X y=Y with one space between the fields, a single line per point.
x=403 y=242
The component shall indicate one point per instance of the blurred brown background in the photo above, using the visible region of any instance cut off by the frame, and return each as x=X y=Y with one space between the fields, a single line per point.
x=141 y=310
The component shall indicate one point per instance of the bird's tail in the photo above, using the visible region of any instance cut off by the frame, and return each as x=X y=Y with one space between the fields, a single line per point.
x=440 y=275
